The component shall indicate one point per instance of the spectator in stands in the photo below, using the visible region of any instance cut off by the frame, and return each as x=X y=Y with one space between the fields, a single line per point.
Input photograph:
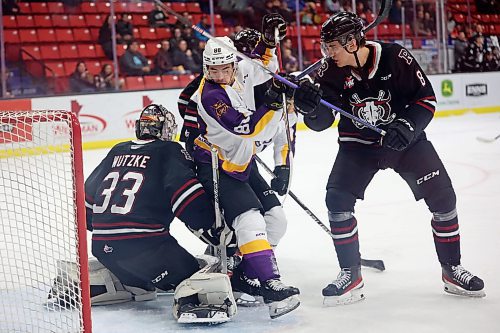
x=10 y=7
x=429 y=24
x=421 y=29
x=105 y=80
x=81 y=80
x=163 y=62
x=472 y=60
x=290 y=63
x=395 y=13
x=188 y=36
x=105 y=37
x=133 y=62
x=490 y=63
x=204 y=24
x=8 y=90
x=283 y=10
x=333 y=6
x=459 y=47
x=184 y=59
x=157 y=18
x=176 y=38
x=124 y=29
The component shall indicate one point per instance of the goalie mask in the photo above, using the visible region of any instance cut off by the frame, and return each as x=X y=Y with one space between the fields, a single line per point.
x=156 y=122
x=216 y=55
x=246 y=40
x=343 y=28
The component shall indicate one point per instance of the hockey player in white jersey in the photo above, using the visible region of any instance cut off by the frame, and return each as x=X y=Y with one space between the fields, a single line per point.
x=228 y=121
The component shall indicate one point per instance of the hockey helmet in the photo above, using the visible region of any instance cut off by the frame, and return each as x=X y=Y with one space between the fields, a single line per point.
x=215 y=54
x=246 y=40
x=156 y=122
x=342 y=27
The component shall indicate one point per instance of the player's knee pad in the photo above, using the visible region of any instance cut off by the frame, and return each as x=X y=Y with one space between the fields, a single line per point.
x=442 y=200
x=275 y=224
x=249 y=226
x=339 y=201
x=203 y=293
x=65 y=288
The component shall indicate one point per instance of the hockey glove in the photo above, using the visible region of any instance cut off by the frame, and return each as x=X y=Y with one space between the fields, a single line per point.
x=400 y=134
x=280 y=183
x=271 y=22
x=307 y=97
x=273 y=97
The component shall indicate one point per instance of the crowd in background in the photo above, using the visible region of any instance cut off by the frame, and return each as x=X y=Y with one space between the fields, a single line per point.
x=474 y=51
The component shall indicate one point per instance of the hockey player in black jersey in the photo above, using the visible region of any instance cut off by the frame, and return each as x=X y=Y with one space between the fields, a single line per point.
x=382 y=84
x=132 y=197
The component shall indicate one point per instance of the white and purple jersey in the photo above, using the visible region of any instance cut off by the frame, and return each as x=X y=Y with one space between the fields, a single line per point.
x=228 y=119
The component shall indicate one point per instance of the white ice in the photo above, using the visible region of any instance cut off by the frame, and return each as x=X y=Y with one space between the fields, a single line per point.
x=408 y=296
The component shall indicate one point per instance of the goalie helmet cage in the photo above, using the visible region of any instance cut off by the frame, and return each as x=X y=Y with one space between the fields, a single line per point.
x=44 y=280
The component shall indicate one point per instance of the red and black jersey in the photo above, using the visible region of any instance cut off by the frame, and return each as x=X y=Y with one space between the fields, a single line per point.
x=138 y=189
x=393 y=86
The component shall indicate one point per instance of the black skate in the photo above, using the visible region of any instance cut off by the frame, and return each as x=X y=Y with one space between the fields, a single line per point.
x=246 y=291
x=280 y=298
x=346 y=289
x=459 y=281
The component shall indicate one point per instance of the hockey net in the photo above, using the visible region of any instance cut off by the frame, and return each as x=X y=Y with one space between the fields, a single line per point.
x=43 y=248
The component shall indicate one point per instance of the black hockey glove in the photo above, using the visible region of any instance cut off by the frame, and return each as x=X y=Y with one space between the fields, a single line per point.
x=400 y=134
x=273 y=97
x=271 y=22
x=307 y=97
x=280 y=183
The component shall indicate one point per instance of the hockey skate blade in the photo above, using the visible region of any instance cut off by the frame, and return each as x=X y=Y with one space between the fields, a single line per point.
x=280 y=308
x=190 y=318
x=454 y=290
x=246 y=300
x=350 y=297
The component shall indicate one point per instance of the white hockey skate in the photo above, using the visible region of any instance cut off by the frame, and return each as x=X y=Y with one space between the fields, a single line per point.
x=346 y=289
x=459 y=281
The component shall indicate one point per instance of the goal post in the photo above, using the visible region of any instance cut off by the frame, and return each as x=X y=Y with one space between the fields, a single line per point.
x=44 y=279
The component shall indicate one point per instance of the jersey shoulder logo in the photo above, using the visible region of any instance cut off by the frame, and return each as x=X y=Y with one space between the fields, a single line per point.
x=322 y=69
x=374 y=110
x=220 y=108
x=405 y=55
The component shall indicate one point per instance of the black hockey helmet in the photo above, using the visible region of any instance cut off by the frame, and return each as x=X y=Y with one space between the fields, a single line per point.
x=246 y=40
x=156 y=122
x=342 y=27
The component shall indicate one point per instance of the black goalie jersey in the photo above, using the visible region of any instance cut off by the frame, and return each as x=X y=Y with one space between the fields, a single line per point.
x=394 y=86
x=138 y=189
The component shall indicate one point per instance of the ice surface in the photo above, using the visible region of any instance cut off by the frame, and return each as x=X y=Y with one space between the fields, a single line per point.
x=408 y=296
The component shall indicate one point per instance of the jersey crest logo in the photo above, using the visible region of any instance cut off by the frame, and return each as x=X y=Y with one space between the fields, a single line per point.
x=374 y=110
x=348 y=82
x=322 y=69
x=220 y=108
x=405 y=55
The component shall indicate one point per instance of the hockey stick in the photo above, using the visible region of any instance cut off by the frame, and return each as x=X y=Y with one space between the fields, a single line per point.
x=258 y=64
x=285 y=113
x=377 y=264
x=221 y=250
x=488 y=140
x=385 y=7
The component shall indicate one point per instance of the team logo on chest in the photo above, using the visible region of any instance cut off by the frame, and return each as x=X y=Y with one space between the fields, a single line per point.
x=374 y=110
x=348 y=82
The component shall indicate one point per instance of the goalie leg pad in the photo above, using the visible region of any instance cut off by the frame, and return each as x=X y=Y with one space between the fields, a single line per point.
x=105 y=288
x=204 y=298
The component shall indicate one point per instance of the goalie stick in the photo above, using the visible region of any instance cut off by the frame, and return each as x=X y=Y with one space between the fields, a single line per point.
x=221 y=249
x=488 y=140
x=377 y=264
x=260 y=65
x=385 y=7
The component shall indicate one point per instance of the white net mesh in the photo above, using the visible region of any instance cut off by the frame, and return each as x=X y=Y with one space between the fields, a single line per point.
x=39 y=261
